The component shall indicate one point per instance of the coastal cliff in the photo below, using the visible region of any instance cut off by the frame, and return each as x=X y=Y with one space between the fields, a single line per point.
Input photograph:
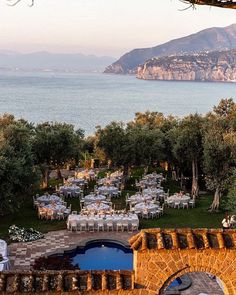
x=209 y=66
x=207 y=40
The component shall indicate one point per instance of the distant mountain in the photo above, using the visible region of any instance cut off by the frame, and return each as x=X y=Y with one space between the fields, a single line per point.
x=45 y=61
x=206 y=40
x=211 y=66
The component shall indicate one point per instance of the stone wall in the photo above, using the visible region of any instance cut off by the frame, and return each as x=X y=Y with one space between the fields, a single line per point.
x=159 y=257
x=163 y=255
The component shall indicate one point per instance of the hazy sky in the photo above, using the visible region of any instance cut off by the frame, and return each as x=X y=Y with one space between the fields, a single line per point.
x=101 y=27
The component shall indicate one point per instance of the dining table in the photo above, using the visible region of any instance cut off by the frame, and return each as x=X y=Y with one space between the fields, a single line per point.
x=94 y=198
x=47 y=199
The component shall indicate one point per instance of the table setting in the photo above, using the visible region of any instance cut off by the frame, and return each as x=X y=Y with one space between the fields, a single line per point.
x=108 y=190
x=94 y=198
x=72 y=189
x=47 y=199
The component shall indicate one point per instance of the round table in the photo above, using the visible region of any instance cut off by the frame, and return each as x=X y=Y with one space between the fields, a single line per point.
x=176 y=198
x=98 y=207
x=108 y=190
x=94 y=198
x=71 y=188
x=55 y=208
x=140 y=198
x=148 y=206
x=47 y=199
x=76 y=181
x=153 y=191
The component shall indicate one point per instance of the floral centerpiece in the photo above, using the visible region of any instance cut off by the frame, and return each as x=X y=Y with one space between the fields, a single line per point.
x=18 y=234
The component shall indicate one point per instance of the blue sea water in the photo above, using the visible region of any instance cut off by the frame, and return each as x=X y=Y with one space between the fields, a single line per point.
x=88 y=100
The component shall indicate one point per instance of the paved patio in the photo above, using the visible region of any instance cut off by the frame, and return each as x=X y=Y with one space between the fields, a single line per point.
x=202 y=283
x=23 y=255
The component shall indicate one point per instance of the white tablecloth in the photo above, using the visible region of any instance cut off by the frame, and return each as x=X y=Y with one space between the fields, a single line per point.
x=57 y=208
x=114 y=219
x=73 y=188
x=181 y=199
x=146 y=207
x=140 y=198
x=98 y=207
x=46 y=199
x=77 y=181
x=94 y=198
x=153 y=191
x=107 y=190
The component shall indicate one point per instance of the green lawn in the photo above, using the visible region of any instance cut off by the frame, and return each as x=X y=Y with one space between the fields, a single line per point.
x=172 y=218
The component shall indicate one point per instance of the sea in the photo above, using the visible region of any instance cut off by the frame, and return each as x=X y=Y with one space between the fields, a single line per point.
x=90 y=100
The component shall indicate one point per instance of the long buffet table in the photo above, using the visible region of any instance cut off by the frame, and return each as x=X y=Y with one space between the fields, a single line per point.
x=131 y=219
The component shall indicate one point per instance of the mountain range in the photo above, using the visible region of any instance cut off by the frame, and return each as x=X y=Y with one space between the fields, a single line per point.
x=45 y=61
x=212 y=39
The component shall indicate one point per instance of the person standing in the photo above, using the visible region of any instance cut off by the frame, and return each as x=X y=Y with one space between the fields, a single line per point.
x=226 y=222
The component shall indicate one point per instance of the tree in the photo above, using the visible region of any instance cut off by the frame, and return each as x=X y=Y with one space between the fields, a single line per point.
x=186 y=141
x=219 y=160
x=115 y=142
x=18 y=175
x=54 y=144
x=230 y=204
x=146 y=145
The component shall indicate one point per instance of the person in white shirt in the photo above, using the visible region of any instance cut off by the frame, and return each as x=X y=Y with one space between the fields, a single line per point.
x=226 y=222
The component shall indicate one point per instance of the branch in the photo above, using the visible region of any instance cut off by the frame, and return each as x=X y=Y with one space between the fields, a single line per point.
x=216 y=3
x=14 y=2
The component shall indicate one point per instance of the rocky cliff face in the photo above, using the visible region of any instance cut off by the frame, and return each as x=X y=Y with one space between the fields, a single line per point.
x=212 y=66
x=209 y=39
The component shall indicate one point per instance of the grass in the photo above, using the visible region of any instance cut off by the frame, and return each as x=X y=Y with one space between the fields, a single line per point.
x=172 y=218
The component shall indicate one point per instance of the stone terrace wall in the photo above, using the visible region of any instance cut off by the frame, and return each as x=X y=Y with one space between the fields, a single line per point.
x=159 y=257
x=81 y=282
x=163 y=255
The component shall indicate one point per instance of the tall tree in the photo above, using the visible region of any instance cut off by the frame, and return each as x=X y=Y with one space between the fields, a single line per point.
x=18 y=174
x=186 y=139
x=54 y=144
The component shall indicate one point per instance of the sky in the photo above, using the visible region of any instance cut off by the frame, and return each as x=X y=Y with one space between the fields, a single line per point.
x=102 y=27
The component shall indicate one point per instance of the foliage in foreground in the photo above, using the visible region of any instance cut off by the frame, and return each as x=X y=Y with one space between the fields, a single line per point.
x=18 y=234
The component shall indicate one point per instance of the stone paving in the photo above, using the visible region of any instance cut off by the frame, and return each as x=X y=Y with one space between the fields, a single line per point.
x=23 y=255
x=202 y=283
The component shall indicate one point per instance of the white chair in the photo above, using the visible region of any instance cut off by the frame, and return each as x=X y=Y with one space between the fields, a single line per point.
x=100 y=225
x=192 y=203
x=82 y=225
x=68 y=194
x=134 y=226
x=125 y=225
x=109 y=225
x=119 y=226
x=153 y=214
x=176 y=205
x=67 y=211
x=91 y=225
x=145 y=215
x=60 y=215
x=185 y=205
x=73 y=225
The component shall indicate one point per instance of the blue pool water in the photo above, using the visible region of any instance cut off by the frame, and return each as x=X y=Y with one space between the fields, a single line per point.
x=103 y=255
